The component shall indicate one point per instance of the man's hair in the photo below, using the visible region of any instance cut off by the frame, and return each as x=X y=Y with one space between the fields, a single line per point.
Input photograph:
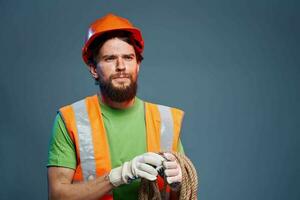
x=122 y=35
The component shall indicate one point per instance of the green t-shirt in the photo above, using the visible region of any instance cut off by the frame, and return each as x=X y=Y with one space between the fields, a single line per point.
x=124 y=127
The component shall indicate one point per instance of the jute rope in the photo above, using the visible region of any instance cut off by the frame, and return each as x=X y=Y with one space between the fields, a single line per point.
x=189 y=185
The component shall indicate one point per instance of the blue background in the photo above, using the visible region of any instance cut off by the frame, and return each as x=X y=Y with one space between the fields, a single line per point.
x=232 y=65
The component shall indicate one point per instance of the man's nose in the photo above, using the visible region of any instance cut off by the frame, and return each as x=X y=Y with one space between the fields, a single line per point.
x=120 y=64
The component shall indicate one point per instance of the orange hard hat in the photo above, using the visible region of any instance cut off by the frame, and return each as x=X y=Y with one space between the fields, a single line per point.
x=107 y=23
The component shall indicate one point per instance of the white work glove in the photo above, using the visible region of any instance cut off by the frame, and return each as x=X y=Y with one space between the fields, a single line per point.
x=143 y=166
x=172 y=171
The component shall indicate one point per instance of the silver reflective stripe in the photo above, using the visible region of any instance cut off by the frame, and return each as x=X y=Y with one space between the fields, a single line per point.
x=86 y=147
x=166 y=128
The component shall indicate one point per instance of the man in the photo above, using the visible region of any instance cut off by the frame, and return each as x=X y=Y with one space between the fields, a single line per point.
x=102 y=145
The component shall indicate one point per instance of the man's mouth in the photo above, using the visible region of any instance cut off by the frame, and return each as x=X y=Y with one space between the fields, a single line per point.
x=121 y=76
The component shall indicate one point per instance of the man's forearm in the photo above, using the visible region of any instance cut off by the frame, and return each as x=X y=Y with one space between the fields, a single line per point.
x=93 y=189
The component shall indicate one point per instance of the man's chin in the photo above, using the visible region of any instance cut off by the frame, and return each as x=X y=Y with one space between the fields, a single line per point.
x=119 y=91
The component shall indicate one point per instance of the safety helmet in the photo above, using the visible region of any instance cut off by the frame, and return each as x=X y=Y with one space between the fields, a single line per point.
x=107 y=23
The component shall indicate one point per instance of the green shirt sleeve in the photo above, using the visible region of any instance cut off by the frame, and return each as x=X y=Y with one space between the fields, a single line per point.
x=62 y=151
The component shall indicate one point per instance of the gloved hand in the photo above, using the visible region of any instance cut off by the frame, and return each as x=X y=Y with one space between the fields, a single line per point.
x=172 y=171
x=143 y=166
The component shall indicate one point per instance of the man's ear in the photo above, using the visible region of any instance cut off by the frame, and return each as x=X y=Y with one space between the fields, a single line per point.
x=138 y=66
x=93 y=71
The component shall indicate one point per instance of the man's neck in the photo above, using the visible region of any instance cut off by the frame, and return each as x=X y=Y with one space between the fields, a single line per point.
x=117 y=105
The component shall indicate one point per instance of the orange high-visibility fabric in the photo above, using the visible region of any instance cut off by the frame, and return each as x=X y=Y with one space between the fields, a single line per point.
x=101 y=150
x=68 y=116
x=101 y=147
x=153 y=125
x=177 y=120
x=152 y=118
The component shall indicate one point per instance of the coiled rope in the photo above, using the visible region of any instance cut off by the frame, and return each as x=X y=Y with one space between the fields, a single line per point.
x=149 y=189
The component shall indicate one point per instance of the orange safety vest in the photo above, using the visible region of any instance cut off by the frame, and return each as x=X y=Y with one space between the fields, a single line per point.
x=85 y=126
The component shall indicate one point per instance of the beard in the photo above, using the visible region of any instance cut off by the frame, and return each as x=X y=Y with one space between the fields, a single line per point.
x=118 y=94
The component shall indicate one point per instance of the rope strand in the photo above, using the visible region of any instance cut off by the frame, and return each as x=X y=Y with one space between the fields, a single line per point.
x=149 y=189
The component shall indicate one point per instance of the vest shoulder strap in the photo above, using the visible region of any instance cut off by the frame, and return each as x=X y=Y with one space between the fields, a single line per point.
x=163 y=126
x=84 y=123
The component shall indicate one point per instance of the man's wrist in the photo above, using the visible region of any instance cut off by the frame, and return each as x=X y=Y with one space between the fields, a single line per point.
x=115 y=176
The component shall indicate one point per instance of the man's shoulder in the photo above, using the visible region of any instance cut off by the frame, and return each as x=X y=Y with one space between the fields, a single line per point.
x=163 y=106
x=79 y=101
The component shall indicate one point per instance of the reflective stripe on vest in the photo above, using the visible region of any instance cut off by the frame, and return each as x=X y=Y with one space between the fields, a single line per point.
x=86 y=147
x=166 y=128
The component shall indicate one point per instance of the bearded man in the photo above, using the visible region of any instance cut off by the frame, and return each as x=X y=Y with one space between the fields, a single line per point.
x=103 y=145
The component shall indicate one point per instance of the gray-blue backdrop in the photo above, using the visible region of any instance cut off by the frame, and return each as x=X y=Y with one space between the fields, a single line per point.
x=232 y=65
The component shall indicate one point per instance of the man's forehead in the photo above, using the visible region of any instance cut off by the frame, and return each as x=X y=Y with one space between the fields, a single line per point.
x=116 y=46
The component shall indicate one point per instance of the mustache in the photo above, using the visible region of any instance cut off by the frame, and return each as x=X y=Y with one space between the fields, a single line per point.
x=118 y=75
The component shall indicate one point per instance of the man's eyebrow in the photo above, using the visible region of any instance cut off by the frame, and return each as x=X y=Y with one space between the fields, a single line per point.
x=130 y=54
x=108 y=55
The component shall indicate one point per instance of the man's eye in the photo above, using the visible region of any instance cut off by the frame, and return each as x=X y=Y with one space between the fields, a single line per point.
x=109 y=59
x=128 y=57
